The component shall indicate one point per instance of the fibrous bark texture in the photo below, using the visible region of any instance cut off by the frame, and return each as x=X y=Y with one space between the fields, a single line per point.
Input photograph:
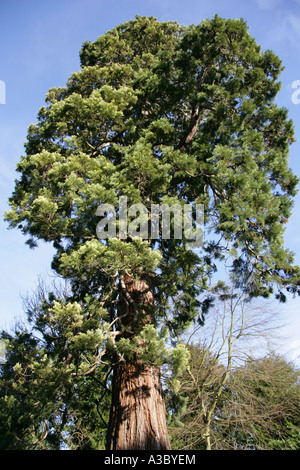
x=138 y=417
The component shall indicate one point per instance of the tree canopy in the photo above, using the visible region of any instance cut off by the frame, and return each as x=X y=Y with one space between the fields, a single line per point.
x=164 y=113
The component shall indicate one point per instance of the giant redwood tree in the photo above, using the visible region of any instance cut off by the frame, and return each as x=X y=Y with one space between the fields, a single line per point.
x=160 y=114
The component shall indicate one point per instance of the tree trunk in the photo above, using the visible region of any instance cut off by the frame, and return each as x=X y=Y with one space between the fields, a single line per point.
x=137 y=416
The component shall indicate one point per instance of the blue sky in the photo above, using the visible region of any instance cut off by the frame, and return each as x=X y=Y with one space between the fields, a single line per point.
x=39 y=49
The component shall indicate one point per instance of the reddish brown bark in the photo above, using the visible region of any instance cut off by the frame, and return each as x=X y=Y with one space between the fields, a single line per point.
x=192 y=128
x=137 y=415
x=137 y=299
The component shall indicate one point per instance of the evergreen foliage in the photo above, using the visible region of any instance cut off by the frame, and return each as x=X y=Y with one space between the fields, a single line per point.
x=51 y=394
x=159 y=110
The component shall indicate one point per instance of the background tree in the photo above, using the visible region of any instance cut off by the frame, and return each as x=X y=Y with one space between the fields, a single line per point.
x=51 y=394
x=229 y=398
x=256 y=409
x=161 y=114
x=234 y=328
x=262 y=406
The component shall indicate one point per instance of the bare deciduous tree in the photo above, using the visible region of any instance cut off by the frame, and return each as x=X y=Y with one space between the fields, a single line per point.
x=235 y=331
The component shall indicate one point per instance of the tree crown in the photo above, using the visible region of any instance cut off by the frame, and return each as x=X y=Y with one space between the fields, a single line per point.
x=162 y=113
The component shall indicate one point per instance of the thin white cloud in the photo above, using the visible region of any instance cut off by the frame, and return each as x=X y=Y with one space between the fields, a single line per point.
x=267 y=4
x=271 y=4
x=285 y=31
x=293 y=26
